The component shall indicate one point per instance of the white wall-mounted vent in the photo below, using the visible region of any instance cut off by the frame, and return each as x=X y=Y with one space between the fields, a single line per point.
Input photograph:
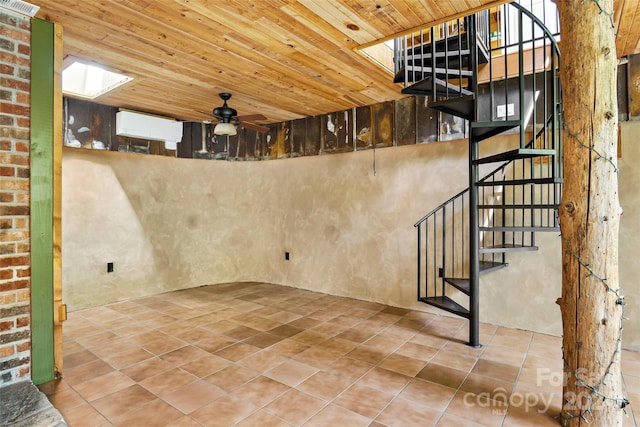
x=21 y=7
x=144 y=126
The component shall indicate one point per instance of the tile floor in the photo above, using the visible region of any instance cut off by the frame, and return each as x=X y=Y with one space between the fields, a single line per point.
x=247 y=354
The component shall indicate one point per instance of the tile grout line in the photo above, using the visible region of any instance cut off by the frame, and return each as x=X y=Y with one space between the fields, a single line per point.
x=243 y=307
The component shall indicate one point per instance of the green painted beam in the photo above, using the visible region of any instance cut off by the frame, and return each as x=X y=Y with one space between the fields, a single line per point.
x=42 y=107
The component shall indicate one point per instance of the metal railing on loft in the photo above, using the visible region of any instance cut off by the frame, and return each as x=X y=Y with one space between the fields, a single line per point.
x=443 y=52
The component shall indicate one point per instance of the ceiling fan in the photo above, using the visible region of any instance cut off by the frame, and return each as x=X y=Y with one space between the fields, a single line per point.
x=229 y=119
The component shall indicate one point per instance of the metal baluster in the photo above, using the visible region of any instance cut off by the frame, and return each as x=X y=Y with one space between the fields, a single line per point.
x=434 y=93
x=435 y=245
x=444 y=246
x=419 y=259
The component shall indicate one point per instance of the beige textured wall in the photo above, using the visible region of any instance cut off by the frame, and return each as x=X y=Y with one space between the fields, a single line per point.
x=629 y=187
x=178 y=223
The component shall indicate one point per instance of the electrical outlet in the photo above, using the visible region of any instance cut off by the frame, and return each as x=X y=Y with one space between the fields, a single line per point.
x=109 y=267
x=286 y=256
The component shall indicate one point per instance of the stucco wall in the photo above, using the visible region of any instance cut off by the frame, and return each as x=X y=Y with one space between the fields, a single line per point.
x=629 y=190
x=178 y=223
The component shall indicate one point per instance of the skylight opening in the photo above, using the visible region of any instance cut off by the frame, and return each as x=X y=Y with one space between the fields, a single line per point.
x=381 y=54
x=90 y=81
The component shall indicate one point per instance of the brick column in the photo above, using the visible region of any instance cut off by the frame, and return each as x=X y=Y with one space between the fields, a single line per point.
x=15 y=271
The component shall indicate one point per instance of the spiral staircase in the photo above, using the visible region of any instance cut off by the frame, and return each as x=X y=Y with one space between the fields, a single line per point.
x=499 y=85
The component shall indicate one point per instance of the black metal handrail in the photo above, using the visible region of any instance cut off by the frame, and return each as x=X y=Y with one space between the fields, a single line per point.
x=507 y=206
x=428 y=52
x=486 y=177
x=447 y=226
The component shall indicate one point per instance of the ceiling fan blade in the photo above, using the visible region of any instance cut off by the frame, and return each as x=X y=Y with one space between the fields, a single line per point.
x=227 y=114
x=253 y=126
x=251 y=117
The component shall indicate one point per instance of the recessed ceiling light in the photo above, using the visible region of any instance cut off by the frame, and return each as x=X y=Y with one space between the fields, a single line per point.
x=90 y=81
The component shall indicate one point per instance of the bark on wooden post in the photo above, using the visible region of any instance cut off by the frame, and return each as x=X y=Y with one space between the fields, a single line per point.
x=592 y=305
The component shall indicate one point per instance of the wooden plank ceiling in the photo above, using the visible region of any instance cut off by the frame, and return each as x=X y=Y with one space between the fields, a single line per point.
x=285 y=59
x=627 y=22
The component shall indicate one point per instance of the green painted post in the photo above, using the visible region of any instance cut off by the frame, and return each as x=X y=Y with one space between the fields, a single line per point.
x=42 y=107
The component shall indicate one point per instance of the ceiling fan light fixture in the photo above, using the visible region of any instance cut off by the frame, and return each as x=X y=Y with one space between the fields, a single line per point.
x=225 y=129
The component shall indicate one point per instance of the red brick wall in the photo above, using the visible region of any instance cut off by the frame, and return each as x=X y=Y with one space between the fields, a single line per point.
x=15 y=272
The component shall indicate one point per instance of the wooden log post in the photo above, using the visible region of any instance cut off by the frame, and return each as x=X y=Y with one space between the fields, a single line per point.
x=592 y=304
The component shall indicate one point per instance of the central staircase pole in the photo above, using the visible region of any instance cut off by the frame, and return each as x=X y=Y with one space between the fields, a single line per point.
x=474 y=238
x=474 y=262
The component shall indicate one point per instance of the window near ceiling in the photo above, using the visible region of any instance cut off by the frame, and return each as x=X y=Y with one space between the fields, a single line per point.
x=90 y=81
x=380 y=53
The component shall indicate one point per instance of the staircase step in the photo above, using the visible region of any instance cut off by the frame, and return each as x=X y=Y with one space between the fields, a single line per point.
x=452 y=45
x=439 y=54
x=519 y=153
x=450 y=62
x=460 y=284
x=487 y=266
x=462 y=106
x=519 y=206
x=483 y=130
x=506 y=247
x=450 y=72
x=443 y=88
x=447 y=304
x=526 y=181
x=517 y=229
